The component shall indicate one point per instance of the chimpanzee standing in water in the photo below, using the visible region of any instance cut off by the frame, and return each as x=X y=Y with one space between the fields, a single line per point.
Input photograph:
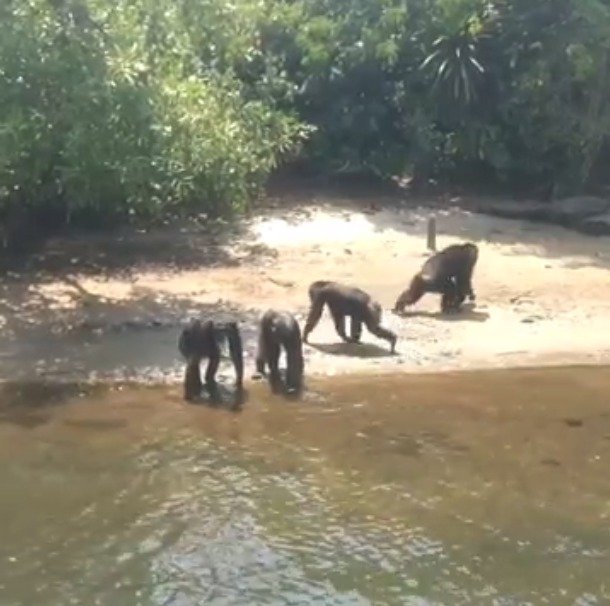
x=203 y=340
x=449 y=272
x=345 y=301
x=279 y=330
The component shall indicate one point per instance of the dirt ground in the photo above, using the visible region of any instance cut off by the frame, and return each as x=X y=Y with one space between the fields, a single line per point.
x=102 y=306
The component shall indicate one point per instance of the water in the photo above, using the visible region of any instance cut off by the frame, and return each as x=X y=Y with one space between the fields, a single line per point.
x=481 y=488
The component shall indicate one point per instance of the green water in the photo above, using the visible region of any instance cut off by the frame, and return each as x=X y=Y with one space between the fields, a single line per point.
x=480 y=488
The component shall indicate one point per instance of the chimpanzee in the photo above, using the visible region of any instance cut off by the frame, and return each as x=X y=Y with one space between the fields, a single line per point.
x=279 y=330
x=448 y=272
x=203 y=340
x=346 y=301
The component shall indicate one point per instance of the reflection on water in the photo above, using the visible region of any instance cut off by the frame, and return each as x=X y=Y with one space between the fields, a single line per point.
x=481 y=488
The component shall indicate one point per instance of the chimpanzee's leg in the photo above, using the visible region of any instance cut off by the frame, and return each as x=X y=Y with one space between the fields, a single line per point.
x=356 y=329
x=273 y=359
x=192 y=379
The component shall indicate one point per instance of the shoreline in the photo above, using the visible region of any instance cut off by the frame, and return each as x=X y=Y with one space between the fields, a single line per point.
x=31 y=402
x=110 y=308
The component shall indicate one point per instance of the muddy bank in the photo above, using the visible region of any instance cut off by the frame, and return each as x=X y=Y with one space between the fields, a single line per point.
x=111 y=307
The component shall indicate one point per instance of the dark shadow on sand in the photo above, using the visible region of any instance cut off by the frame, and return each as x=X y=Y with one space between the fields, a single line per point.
x=354 y=350
x=466 y=314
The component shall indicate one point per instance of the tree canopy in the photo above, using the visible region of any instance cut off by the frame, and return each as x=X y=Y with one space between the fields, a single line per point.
x=112 y=109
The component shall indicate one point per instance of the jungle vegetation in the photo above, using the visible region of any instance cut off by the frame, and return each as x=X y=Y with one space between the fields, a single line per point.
x=112 y=110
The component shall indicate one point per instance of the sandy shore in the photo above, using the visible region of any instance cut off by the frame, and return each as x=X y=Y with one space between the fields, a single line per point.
x=100 y=306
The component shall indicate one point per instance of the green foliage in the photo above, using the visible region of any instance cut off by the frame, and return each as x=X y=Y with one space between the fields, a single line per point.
x=144 y=108
x=108 y=112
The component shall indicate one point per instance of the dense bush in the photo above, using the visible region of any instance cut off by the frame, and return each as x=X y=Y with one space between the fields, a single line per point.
x=512 y=88
x=107 y=110
x=118 y=108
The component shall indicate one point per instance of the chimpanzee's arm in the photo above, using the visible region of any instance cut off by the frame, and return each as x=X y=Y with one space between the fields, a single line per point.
x=237 y=352
x=315 y=313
